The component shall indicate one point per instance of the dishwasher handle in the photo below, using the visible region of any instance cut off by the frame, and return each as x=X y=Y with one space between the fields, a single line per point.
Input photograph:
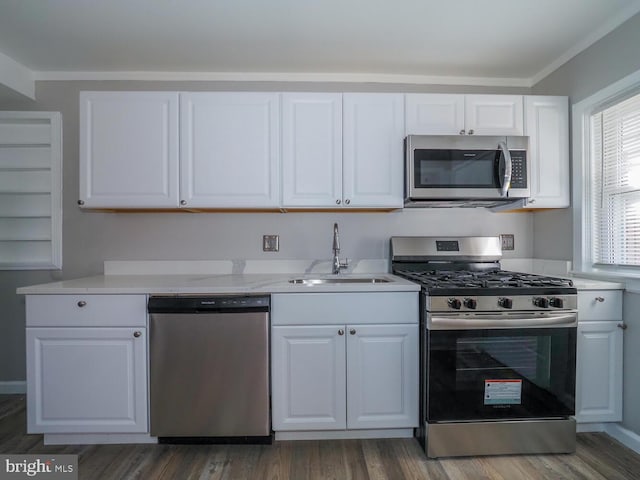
x=209 y=304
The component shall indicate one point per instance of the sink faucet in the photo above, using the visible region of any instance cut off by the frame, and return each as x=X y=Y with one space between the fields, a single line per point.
x=337 y=265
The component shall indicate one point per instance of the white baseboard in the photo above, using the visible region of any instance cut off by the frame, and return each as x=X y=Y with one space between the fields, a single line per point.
x=13 y=387
x=590 y=427
x=345 y=434
x=628 y=438
x=97 y=438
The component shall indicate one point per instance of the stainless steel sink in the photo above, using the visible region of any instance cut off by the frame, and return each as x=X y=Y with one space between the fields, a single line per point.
x=324 y=281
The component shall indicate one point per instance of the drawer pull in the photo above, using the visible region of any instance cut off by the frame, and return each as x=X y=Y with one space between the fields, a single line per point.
x=82 y=303
x=622 y=326
x=137 y=333
x=341 y=332
x=600 y=299
x=352 y=331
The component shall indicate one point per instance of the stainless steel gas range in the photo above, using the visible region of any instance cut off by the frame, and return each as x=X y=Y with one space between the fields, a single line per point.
x=498 y=350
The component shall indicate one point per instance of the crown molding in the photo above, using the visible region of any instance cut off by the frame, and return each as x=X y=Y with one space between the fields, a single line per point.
x=281 y=77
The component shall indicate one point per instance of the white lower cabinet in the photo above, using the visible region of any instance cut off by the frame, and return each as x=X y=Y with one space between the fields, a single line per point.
x=354 y=376
x=309 y=378
x=90 y=378
x=599 y=372
x=382 y=370
x=86 y=380
x=599 y=356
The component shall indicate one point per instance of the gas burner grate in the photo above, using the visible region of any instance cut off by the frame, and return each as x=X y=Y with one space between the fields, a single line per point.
x=438 y=279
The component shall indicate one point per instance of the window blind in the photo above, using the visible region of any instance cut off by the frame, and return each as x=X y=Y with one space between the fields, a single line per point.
x=30 y=190
x=615 y=167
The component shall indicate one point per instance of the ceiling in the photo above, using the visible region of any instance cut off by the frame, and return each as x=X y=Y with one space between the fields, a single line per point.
x=490 y=42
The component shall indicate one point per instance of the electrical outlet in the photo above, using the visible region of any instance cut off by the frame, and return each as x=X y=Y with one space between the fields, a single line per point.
x=508 y=241
x=270 y=243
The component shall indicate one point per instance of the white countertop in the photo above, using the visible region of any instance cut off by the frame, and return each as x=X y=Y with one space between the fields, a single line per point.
x=215 y=284
x=259 y=276
x=558 y=268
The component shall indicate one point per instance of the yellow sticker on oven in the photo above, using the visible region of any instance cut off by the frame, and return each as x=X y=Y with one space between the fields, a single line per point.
x=502 y=392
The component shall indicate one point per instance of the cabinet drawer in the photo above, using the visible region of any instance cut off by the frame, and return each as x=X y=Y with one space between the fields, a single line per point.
x=599 y=305
x=344 y=308
x=86 y=310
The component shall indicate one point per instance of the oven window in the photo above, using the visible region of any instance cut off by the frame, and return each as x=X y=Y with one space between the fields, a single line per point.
x=455 y=168
x=494 y=374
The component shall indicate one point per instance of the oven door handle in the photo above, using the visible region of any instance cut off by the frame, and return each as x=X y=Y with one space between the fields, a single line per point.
x=457 y=323
x=506 y=179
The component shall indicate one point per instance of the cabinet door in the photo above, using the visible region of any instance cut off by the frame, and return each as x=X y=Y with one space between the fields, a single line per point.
x=308 y=378
x=382 y=373
x=90 y=380
x=547 y=125
x=434 y=114
x=599 y=372
x=229 y=150
x=372 y=163
x=494 y=115
x=129 y=149
x=312 y=149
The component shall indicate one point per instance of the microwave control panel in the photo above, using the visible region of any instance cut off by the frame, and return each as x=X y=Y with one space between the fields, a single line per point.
x=518 y=169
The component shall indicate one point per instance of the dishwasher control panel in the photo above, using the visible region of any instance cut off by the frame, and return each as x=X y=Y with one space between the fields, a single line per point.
x=197 y=304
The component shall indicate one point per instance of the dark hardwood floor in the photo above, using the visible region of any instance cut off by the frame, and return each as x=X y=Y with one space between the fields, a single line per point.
x=597 y=457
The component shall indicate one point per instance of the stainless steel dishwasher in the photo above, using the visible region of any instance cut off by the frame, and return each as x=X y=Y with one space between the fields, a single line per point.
x=209 y=369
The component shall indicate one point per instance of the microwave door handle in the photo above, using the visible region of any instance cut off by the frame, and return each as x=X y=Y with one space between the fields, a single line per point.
x=506 y=179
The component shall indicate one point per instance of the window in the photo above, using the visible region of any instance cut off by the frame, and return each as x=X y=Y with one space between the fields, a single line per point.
x=615 y=199
x=30 y=190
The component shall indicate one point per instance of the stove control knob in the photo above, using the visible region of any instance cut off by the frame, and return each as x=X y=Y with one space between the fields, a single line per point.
x=470 y=303
x=454 y=303
x=505 y=302
x=556 y=302
x=541 y=302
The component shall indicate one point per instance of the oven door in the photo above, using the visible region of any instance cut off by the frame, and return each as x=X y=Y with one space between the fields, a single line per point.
x=500 y=373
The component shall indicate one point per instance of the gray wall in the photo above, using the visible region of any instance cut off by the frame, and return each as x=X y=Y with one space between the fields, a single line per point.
x=631 y=361
x=611 y=58
x=89 y=238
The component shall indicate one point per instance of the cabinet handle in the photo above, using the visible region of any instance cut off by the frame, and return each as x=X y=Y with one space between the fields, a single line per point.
x=352 y=331
x=137 y=333
x=82 y=303
x=338 y=202
x=622 y=326
x=600 y=299
x=340 y=332
x=531 y=200
x=462 y=132
x=470 y=132
x=80 y=202
x=183 y=202
x=347 y=201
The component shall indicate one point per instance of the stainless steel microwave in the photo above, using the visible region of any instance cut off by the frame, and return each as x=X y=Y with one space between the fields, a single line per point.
x=466 y=170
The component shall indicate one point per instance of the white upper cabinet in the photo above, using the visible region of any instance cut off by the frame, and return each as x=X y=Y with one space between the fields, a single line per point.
x=343 y=150
x=229 y=149
x=493 y=115
x=128 y=149
x=373 y=136
x=547 y=125
x=453 y=114
x=312 y=149
x=434 y=114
